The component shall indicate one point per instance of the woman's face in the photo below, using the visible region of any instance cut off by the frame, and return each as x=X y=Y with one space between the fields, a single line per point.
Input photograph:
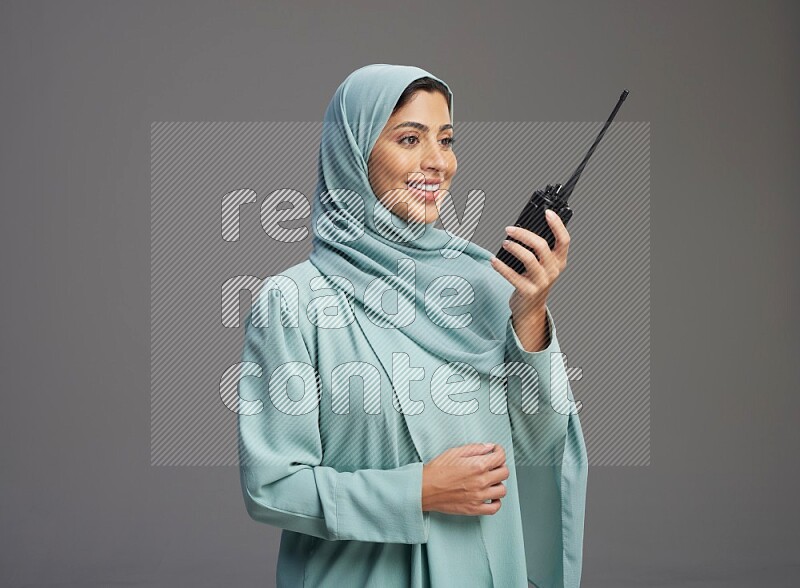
x=414 y=147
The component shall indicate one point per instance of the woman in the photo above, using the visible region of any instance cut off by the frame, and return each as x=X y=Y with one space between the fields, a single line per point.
x=383 y=443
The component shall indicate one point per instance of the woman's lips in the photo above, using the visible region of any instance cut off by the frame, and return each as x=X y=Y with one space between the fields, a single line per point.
x=426 y=195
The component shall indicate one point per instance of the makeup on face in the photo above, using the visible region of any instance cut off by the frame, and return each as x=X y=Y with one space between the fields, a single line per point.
x=413 y=161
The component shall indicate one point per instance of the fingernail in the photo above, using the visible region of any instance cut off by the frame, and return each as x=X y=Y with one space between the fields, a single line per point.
x=506 y=243
x=550 y=214
x=488 y=445
x=510 y=230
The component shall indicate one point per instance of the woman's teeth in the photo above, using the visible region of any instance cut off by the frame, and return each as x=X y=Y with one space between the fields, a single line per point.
x=426 y=187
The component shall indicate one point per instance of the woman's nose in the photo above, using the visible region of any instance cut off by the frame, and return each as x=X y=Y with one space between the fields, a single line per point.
x=433 y=158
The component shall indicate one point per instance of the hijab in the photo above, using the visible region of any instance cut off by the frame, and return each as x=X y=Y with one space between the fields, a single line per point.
x=358 y=238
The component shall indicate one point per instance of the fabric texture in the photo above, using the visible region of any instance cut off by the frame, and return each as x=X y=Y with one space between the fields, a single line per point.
x=355 y=397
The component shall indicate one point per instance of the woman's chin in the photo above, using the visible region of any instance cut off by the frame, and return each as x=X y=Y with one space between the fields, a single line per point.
x=422 y=213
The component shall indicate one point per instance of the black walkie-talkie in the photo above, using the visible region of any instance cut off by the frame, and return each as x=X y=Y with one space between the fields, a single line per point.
x=554 y=197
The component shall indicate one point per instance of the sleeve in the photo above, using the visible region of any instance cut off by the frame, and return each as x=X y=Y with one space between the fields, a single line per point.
x=280 y=452
x=539 y=425
x=550 y=448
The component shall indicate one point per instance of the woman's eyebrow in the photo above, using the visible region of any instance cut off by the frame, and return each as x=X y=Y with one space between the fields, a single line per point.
x=420 y=126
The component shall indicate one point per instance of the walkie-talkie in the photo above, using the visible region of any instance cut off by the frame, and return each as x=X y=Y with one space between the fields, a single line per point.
x=554 y=197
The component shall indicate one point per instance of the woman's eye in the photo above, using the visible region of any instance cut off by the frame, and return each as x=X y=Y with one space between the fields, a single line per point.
x=413 y=139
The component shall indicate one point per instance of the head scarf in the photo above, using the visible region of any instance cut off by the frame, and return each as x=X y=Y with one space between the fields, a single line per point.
x=356 y=237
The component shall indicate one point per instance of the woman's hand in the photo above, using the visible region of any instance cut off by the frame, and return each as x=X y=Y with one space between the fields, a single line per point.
x=528 y=301
x=461 y=479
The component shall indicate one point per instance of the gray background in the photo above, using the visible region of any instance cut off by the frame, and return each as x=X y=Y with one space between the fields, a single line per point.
x=81 y=83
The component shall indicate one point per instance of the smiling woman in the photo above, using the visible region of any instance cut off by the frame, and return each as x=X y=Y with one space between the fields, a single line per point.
x=390 y=491
x=413 y=161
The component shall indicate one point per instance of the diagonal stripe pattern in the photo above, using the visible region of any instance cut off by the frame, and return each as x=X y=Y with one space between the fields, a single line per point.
x=213 y=192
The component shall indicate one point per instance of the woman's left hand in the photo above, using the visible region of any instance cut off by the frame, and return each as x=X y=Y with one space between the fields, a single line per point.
x=532 y=287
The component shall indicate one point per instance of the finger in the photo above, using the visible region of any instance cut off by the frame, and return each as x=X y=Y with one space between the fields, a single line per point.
x=560 y=232
x=496 y=492
x=470 y=449
x=532 y=266
x=488 y=508
x=500 y=451
x=517 y=280
x=493 y=460
x=538 y=244
x=497 y=475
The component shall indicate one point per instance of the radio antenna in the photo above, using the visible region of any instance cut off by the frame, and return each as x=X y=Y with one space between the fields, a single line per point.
x=565 y=191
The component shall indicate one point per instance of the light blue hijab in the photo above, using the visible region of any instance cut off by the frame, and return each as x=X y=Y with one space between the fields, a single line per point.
x=356 y=237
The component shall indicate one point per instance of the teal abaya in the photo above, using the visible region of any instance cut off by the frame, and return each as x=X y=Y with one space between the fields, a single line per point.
x=344 y=395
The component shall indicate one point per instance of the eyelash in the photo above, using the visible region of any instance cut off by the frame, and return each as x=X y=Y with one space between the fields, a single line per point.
x=450 y=140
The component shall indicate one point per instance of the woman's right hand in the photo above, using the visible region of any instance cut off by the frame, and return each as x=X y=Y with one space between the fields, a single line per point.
x=461 y=479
